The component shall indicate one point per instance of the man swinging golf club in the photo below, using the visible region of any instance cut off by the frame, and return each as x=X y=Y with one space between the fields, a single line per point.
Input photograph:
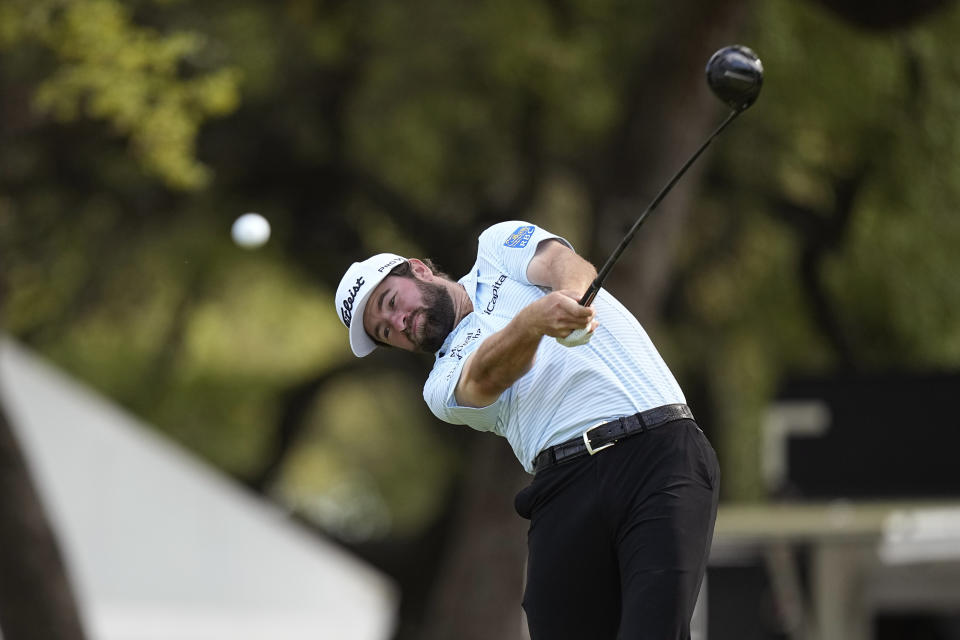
x=625 y=489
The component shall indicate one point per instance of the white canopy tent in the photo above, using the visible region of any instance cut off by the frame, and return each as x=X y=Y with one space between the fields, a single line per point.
x=159 y=546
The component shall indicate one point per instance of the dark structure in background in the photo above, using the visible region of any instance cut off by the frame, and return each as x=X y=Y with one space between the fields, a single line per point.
x=880 y=437
x=889 y=436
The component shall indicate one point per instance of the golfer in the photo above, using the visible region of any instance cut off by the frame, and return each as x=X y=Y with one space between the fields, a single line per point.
x=625 y=488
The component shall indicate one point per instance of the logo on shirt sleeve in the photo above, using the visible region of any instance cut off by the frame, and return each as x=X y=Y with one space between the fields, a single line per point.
x=519 y=238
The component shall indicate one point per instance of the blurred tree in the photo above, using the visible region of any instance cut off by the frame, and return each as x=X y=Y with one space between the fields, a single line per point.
x=799 y=275
x=105 y=67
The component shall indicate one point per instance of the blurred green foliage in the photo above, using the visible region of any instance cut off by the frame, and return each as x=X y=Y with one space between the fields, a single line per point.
x=839 y=106
x=106 y=67
x=134 y=132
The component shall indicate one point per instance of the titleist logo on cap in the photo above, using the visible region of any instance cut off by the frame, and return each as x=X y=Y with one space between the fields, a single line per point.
x=346 y=308
x=375 y=274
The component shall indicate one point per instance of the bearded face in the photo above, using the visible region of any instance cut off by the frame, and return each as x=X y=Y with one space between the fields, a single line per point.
x=410 y=310
x=433 y=322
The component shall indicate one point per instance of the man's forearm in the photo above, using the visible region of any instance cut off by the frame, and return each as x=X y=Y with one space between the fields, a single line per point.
x=499 y=362
x=508 y=354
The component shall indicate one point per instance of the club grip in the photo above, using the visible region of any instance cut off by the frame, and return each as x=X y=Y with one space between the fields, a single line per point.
x=591 y=293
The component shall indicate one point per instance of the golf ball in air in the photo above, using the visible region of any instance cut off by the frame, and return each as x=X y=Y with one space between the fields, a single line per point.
x=251 y=230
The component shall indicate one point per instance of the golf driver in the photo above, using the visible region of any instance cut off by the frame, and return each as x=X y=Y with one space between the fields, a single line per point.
x=735 y=75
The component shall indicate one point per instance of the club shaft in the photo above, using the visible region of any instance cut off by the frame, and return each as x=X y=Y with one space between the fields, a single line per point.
x=602 y=274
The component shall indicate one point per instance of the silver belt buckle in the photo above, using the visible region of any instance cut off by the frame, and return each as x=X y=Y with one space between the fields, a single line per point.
x=586 y=440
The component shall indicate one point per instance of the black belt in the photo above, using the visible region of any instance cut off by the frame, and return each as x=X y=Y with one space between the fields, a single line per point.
x=606 y=434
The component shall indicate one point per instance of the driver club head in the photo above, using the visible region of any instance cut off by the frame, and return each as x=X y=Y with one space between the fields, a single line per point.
x=735 y=75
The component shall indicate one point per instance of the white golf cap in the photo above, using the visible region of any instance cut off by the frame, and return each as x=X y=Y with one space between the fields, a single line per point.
x=355 y=288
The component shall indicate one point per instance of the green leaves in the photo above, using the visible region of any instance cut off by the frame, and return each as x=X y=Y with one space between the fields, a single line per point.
x=132 y=77
x=134 y=132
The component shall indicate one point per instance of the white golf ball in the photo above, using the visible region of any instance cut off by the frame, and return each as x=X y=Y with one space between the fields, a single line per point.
x=251 y=230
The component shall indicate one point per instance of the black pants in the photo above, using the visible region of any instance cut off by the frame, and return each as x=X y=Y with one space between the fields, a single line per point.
x=618 y=541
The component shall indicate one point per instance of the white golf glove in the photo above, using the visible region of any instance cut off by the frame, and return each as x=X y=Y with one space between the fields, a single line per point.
x=577 y=337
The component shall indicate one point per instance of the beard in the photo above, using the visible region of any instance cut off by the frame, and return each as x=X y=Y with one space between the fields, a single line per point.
x=438 y=317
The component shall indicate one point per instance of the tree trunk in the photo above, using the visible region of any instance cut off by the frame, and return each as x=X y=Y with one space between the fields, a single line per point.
x=669 y=113
x=36 y=601
x=479 y=588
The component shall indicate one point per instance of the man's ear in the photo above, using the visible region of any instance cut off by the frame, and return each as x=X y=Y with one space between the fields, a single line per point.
x=420 y=270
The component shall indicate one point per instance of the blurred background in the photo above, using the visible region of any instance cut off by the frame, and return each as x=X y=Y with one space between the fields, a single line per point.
x=801 y=281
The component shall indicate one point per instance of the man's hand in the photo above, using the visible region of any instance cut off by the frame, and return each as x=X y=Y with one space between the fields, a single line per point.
x=559 y=313
x=557 y=267
x=583 y=333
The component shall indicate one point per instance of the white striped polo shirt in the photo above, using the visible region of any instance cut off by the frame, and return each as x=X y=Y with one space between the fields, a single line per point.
x=618 y=373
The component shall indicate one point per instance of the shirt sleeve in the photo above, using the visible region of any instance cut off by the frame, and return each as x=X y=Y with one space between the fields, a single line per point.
x=511 y=245
x=438 y=392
